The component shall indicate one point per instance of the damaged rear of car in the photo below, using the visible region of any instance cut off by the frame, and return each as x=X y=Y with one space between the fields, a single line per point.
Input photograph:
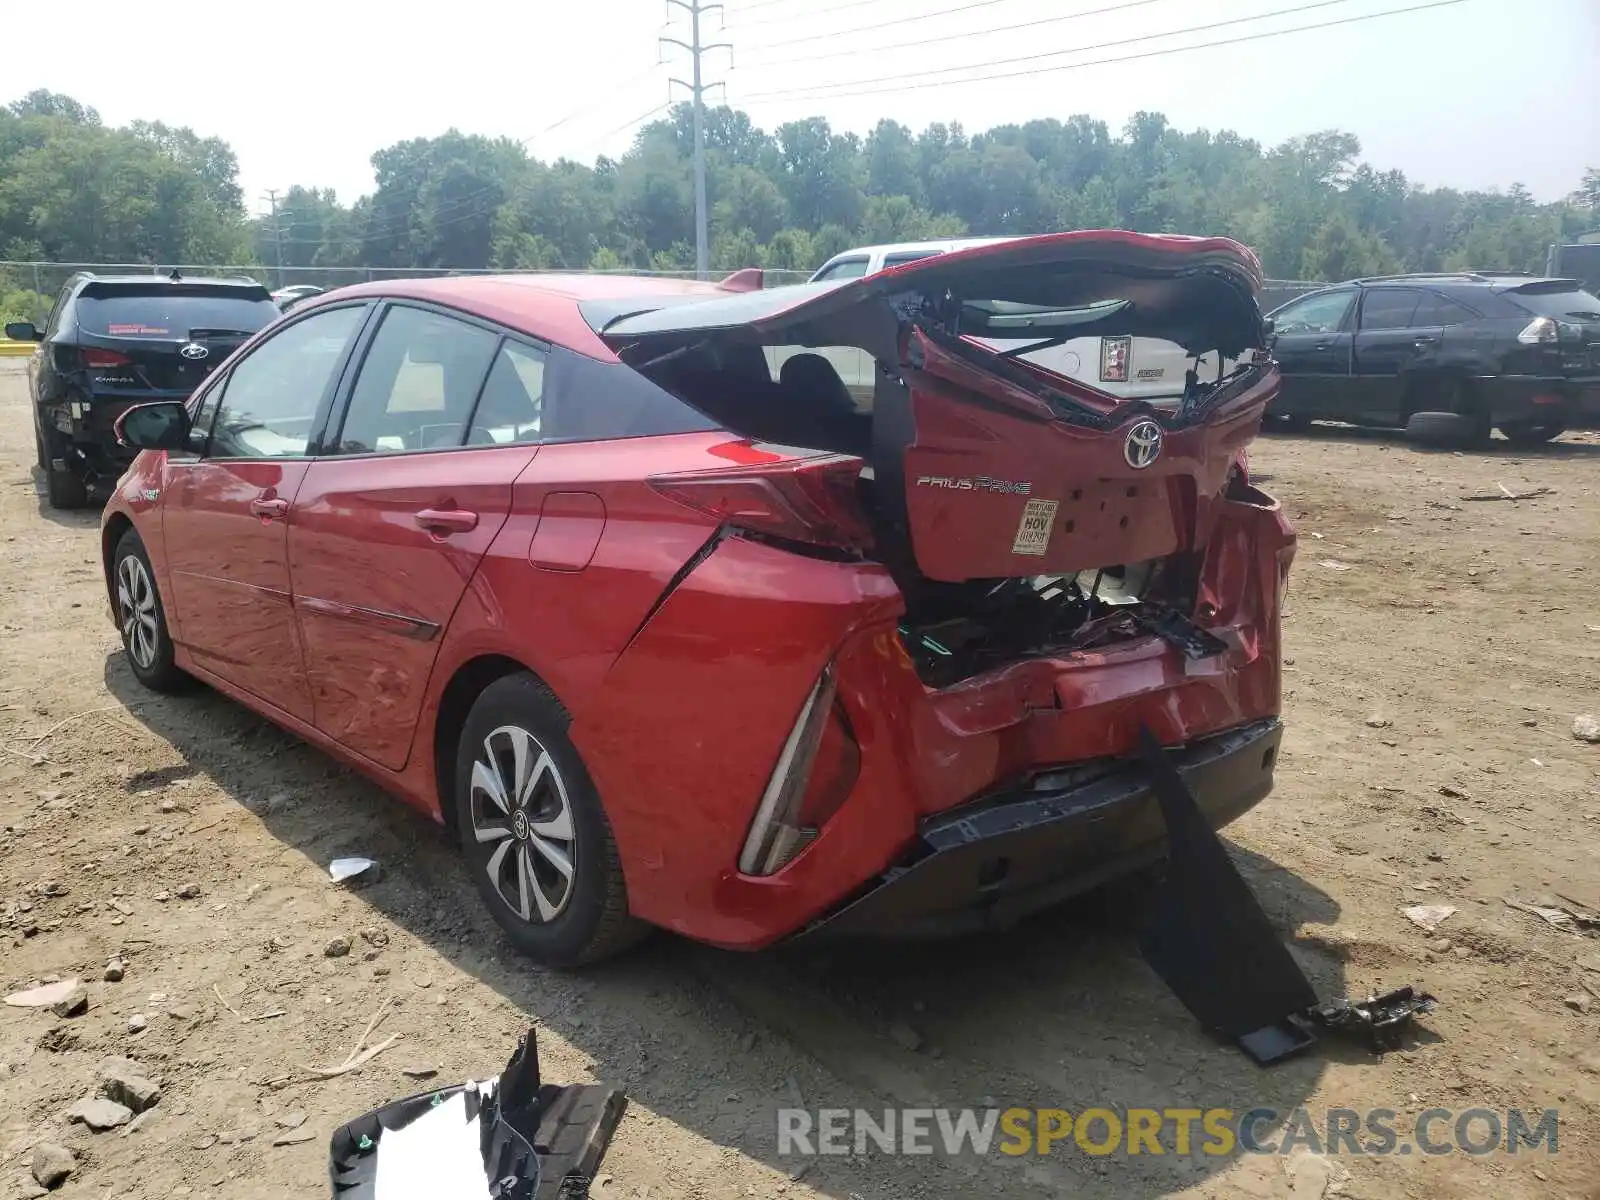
x=1005 y=575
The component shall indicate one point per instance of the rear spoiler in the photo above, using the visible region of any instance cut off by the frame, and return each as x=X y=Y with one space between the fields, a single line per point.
x=1535 y=287
x=159 y=285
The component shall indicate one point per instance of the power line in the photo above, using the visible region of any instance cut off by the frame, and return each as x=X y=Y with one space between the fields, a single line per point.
x=930 y=72
x=639 y=120
x=938 y=12
x=810 y=92
x=802 y=10
x=402 y=222
x=854 y=51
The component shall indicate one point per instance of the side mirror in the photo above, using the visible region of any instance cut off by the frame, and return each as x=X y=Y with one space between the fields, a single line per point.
x=23 y=331
x=160 y=426
x=1269 y=327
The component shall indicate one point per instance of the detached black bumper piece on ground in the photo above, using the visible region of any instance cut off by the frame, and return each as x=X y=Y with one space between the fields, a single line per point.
x=514 y=1138
x=1208 y=938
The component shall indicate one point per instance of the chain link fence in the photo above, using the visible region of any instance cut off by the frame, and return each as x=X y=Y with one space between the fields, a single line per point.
x=28 y=289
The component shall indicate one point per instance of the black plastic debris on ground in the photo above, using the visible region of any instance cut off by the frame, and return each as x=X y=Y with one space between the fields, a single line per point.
x=514 y=1138
x=1209 y=939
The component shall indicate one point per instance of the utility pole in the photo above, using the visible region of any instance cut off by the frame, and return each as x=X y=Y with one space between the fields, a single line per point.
x=697 y=90
x=277 y=232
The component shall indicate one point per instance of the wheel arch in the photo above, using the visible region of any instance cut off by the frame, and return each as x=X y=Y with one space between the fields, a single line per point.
x=1419 y=384
x=466 y=684
x=112 y=532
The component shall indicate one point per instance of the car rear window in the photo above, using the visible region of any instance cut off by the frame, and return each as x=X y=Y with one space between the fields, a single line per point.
x=173 y=314
x=1572 y=304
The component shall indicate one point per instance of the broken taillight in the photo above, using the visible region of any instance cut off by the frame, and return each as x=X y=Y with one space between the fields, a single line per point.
x=1541 y=331
x=1116 y=353
x=97 y=359
x=801 y=500
x=814 y=774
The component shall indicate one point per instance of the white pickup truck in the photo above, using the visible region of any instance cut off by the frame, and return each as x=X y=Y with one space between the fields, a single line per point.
x=1130 y=368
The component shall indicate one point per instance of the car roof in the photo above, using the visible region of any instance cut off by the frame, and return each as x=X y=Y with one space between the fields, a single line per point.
x=198 y=280
x=1491 y=279
x=542 y=306
x=940 y=246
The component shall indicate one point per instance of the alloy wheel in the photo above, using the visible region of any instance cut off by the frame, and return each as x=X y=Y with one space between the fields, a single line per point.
x=136 y=610
x=518 y=802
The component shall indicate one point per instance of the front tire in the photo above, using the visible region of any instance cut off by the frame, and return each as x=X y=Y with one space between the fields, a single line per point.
x=142 y=618
x=1450 y=394
x=536 y=838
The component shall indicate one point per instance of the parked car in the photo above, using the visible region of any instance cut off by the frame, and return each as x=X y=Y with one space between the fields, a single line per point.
x=1453 y=356
x=669 y=642
x=114 y=340
x=1148 y=368
x=287 y=297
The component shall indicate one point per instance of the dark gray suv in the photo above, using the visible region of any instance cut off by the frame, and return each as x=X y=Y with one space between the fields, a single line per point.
x=1446 y=356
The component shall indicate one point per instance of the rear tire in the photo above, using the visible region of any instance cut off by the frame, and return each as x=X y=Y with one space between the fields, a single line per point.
x=535 y=836
x=64 y=489
x=1529 y=433
x=142 y=617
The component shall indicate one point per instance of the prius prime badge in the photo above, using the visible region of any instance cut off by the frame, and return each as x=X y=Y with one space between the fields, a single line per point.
x=194 y=351
x=1143 y=446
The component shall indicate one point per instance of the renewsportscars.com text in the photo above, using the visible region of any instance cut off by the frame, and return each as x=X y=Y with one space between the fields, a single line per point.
x=1211 y=1132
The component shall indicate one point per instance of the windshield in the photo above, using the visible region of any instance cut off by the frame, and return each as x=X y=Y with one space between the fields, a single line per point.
x=1572 y=305
x=170 y=314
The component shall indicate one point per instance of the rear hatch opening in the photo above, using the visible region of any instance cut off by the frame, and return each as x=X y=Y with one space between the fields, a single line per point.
x=1022 y=513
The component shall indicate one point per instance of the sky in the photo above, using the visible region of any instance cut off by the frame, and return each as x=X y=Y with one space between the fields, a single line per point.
x=1464 y=93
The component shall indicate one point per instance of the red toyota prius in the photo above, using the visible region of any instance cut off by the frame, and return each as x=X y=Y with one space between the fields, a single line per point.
x=619 y=580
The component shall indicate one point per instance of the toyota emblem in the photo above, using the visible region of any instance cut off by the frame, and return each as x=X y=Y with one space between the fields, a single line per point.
x=1143 y=446
x=194 y=351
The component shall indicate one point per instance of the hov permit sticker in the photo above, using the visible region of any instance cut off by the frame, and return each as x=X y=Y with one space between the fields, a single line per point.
x=1033 y=534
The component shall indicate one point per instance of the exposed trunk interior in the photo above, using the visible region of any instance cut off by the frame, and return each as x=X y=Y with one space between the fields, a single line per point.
x=952 y=630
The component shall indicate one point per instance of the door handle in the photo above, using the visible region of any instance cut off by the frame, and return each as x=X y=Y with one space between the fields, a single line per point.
x=1424 y=340
x=269 y=508
x=1323 y=346
x=442 y=522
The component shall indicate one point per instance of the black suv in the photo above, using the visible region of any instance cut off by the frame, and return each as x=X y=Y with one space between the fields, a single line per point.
x=1446 y=357
x=117 y=340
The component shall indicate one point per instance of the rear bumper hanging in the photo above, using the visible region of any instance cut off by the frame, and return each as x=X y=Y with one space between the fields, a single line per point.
x=1204 y=914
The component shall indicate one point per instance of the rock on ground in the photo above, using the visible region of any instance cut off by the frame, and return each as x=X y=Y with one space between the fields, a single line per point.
x=52 y=1164
x=99 y=1114
x=124 y=1081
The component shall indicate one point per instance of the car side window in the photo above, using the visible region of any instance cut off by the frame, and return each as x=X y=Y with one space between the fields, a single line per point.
x=417 y=384
x=269 y=402
x=512 y=402
x=845 y=268
x=1322 y=313
x=1435 y=310
x=590 y=401
x=1389 y=308
x=54 y=321
x=908 y=256
x=200 y=422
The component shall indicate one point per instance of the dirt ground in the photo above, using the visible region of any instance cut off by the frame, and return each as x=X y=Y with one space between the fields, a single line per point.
x=1438 y=651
